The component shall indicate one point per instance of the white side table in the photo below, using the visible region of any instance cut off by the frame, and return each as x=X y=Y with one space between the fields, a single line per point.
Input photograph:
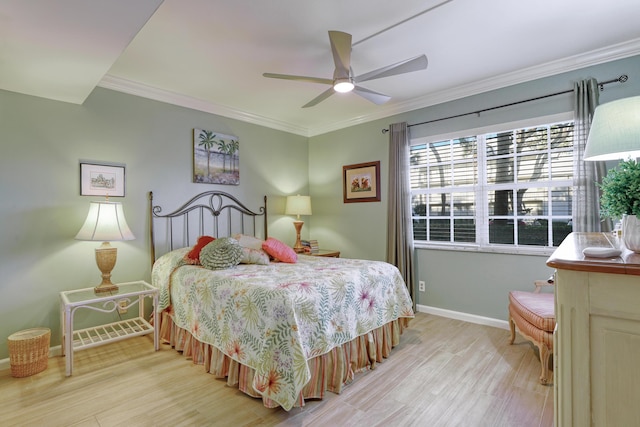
x=127 y=295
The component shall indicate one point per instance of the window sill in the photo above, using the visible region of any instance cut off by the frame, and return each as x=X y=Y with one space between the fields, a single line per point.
x=495 y=249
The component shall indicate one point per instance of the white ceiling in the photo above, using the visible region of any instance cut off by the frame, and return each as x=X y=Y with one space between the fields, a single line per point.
x=210 y=54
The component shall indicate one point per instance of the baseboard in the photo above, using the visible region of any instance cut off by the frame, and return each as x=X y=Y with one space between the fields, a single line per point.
x=458 y=315
x=53 y=352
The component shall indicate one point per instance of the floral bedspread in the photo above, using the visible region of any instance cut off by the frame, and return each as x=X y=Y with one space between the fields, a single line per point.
x=274 y=317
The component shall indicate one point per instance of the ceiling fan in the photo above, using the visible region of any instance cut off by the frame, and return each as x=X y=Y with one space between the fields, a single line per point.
x=343 y=78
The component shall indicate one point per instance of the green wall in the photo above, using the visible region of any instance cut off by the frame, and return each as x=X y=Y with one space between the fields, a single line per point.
x=41 y=210
x=461 y=281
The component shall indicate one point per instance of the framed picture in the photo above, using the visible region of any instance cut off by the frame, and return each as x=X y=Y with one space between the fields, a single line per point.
x=101 y=180
x=215 y=158
x=361 y=182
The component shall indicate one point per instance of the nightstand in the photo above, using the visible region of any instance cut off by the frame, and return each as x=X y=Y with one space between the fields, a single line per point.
x=327 y=253
x=127 y=295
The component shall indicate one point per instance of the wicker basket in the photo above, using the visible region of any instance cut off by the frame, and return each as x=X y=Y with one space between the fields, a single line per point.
x=29 y=351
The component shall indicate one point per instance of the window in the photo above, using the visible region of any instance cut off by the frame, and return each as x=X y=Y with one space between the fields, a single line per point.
x=508 y=187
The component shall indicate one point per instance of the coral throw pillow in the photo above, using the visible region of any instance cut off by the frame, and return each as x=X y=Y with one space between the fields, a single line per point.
x=193 y=256
x=278 y=250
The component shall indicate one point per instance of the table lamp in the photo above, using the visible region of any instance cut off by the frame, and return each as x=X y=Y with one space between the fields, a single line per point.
x=615 y=131
x=298 y=205
x=105 y=222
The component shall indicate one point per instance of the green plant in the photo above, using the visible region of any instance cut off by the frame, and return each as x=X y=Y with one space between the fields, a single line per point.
x=621 y=191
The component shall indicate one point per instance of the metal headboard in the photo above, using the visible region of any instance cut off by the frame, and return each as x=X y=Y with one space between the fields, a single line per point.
x=211 y=211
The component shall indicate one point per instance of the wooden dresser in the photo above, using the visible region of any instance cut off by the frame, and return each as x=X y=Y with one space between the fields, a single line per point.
x=597 y=337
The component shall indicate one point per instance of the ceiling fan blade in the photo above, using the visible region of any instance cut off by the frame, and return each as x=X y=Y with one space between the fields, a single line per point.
x=318 y=99
x=341 y=49
x=406 y=66
x=299 y=78
x=375 y=97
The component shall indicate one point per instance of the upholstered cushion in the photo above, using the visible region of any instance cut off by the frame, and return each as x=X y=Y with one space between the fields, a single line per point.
x=193 y=256
x=278 y=250
x=530 y=330
x=254 y=256
x=222 y=253
x=536 y=308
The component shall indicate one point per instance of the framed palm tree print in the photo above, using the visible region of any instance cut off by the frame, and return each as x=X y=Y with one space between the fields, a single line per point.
x=216 y=158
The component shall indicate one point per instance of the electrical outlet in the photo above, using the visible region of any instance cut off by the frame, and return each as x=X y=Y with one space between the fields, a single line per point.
x=122 y=306
x=421 y=285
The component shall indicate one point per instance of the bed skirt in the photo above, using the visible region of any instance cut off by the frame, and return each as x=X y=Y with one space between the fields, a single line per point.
x=329 y=372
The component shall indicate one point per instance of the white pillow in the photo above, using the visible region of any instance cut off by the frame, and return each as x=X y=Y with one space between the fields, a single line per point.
x=248 y=241
x=254 y=256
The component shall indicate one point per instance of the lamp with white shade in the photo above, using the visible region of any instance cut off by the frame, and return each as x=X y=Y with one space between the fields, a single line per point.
x=298 y=205
x=615 y=131
x=614 y=135
x=105 y=223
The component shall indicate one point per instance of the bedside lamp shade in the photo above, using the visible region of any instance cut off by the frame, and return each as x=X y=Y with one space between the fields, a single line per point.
x=615 y=131
x=105 y=222
x=298 y=205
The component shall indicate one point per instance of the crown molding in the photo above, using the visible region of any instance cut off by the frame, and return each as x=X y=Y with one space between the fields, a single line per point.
x=138 y=89
x=576 y=62
x=595 y=57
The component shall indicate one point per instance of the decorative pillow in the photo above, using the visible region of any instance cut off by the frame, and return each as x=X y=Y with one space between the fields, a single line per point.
x=278 y=250
x=254 y=256
x=193 y=256
x=248 y=241
x=222 y=253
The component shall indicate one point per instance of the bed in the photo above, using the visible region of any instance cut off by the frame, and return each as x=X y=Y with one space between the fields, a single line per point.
x=283 y=332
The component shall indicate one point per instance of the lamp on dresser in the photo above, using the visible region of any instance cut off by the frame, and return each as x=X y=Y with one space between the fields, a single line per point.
x=105 y=223
x=615 y=131
x=298 y=205
x=615 y=134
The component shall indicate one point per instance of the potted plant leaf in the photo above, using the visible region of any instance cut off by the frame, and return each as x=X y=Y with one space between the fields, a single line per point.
x=620 y=198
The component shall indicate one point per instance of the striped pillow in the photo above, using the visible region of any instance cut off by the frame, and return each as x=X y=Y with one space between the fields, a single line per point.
x=222 y=253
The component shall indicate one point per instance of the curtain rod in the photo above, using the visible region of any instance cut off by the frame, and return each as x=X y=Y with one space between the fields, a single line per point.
x=623 y=78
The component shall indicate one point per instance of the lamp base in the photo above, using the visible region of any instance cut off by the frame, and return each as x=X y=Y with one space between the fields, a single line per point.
x=106 y=256
x=298 y=248
x=108 y=287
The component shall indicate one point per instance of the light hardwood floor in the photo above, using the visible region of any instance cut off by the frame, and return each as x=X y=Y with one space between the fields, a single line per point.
x=444 y=373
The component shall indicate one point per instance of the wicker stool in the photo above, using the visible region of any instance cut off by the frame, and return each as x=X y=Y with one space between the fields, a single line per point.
x=29 y=351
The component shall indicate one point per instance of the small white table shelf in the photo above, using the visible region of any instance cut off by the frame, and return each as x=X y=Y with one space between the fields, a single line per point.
x=127 y=295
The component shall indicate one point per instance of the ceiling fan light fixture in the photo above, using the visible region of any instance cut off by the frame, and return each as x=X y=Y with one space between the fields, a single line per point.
x=344 y=80
x=343 y=85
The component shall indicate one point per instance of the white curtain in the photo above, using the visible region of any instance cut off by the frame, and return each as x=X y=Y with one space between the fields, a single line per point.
x=399 y=224
x=586 y=175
